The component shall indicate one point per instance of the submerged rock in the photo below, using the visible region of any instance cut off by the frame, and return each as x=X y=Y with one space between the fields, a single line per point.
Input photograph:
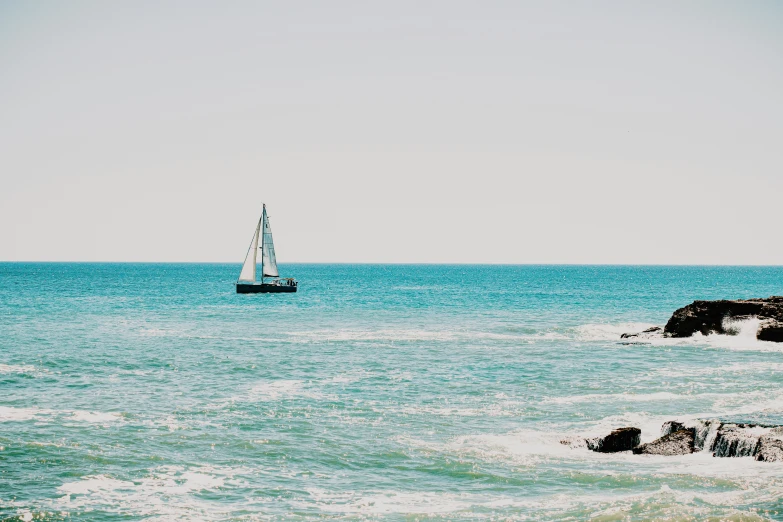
x=708 y=317
x=573 y=441
x=621 y=439
x=679 y=442
x=650 y=333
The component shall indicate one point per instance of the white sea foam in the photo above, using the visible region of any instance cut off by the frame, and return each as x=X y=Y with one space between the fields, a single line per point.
x=375 y=335
x=664 y=502
x=16 y=368
x=389 y=502
x=758 y=401
x=349 y=377
x=343 y=379
x=725 y=402
x=607 y=331
x=408 y=335
x=590 y=332
x=451 y=411
x=734 y=368
x=282 y=389
x=45 y=444
x=172 y=492
x=517 y=445
x=623 y=397
x=94 y=484
x=96 y=417
x=8 y=413
x=167 y=492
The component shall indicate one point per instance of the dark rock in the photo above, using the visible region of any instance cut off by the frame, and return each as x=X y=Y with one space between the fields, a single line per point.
x=770 y=449
x=770 y=330
x=679 y=442
x=655 y=331
x=736 y=440
x=622 y=439
x=708 y=317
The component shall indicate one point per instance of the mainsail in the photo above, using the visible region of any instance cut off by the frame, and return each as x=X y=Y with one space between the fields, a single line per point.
x=248 y=272
x=268 y=261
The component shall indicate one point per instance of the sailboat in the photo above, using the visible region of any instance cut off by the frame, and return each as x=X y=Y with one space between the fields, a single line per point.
x=270 y=278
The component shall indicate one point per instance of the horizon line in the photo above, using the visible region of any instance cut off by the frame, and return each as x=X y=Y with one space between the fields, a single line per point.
x=400 y=263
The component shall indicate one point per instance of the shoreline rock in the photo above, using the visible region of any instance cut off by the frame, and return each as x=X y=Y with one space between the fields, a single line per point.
x=680 y=442
x=711 y=317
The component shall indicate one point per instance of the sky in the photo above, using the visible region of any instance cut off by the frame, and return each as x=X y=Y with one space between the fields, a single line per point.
x=393 y=132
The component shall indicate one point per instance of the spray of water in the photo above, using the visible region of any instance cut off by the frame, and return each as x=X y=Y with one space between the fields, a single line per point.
x=745 y=327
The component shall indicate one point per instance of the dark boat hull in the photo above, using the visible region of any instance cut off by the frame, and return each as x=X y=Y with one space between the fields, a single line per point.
x=262 y=288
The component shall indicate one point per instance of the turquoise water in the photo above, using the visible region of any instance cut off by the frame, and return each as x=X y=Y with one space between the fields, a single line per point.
x=154 y=392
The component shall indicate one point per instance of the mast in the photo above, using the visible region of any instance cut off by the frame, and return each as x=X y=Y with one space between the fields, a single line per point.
x=268 y=249
x=262 y=220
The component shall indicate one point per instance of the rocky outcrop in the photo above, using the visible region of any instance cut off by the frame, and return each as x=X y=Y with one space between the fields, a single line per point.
x=622 y=439
x=716 y=317
x=764 y=442
x=709 y=317
x=728 y=439
x=679 y=442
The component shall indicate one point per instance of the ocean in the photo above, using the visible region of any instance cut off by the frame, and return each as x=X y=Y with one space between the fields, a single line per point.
x=377 y=392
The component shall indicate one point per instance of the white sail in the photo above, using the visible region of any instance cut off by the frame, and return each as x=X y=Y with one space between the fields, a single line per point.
x=248 y=272
x=268 y=261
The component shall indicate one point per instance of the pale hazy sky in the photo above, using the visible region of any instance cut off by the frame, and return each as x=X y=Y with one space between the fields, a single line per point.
x=500 y=132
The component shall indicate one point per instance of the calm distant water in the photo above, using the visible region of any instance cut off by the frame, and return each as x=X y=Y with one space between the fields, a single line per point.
x=154 y=392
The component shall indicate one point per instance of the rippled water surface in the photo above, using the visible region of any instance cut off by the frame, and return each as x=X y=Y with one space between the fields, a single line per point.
x=154 y=392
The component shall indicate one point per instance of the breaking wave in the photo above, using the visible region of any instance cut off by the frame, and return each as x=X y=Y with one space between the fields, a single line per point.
x=169 y=492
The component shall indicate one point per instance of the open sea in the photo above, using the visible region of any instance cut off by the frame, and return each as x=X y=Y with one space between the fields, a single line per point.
x=377 y=392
